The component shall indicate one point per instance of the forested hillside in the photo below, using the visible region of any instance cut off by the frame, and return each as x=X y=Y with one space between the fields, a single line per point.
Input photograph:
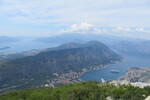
x=33 y=71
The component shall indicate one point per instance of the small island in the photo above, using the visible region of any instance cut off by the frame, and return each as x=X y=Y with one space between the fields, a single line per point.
x=3 y=48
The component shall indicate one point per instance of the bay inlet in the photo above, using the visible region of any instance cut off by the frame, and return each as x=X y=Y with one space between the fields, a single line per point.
x=105 y=73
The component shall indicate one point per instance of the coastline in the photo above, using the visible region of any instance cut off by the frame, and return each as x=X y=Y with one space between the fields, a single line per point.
x=136 y=74
x=74 y=77
x=71 y=76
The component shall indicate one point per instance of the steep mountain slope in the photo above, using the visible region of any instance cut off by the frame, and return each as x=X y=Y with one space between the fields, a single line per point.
x=34 y=70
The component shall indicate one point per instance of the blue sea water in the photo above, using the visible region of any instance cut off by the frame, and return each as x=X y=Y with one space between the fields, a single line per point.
x=95 y=75
x=25 y=45
x=130 y=61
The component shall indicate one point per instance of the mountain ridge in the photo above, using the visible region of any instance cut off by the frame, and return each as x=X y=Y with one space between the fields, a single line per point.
x=40 y=67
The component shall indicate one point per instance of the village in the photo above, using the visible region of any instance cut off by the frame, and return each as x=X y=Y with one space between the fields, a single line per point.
x=136 y=75
x=70 y=77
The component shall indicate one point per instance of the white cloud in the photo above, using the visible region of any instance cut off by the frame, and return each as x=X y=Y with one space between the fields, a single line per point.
x=122 y=29
x=141 y=29
x=79 y=28
x=84 y=28
x=132 y=16
x=130 y=29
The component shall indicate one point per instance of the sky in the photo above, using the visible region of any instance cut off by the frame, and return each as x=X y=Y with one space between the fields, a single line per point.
x=53 y=17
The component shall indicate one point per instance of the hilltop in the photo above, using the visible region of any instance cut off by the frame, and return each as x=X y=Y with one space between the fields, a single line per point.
x=33 y=71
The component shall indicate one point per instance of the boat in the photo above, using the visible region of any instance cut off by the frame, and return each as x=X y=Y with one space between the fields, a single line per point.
x=114 y=71
x=102 y=80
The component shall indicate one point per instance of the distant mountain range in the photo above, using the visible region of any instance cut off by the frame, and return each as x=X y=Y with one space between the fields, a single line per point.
x=35 y=70
x=82 y=38
x=141 y=47
x=117 y=43
x=121 y=45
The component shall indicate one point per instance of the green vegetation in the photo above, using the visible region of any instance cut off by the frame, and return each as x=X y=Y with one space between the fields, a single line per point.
x=80 y=91
x=35 y=70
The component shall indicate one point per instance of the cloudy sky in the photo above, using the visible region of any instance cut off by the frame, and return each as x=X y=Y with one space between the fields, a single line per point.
x=52 y=17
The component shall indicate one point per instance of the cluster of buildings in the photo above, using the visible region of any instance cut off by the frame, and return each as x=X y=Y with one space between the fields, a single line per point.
x=60 y=79
x=69 y=77
x=136 y=74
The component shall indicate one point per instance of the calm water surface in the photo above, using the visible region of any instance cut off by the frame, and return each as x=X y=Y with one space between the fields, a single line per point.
x=131 y=61
x=25 y=45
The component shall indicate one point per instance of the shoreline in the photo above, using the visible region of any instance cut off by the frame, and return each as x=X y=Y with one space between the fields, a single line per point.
x=71 y=76
x=136 y=74
x=74 y=77
x=106 y=65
